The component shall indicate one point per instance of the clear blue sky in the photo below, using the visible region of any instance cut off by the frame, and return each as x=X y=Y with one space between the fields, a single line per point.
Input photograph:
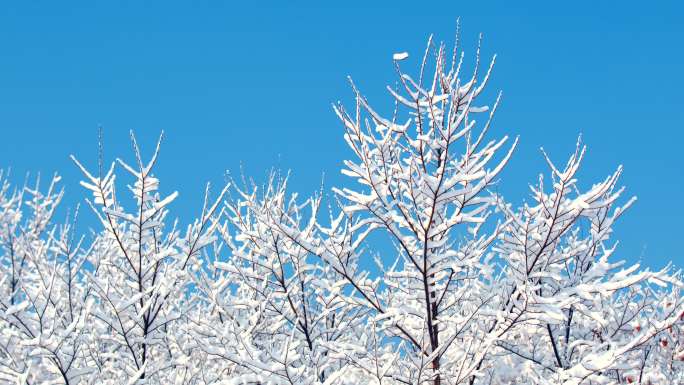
x=232 y=83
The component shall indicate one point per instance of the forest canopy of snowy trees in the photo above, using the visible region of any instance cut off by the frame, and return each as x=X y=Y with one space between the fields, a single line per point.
x=459 y=286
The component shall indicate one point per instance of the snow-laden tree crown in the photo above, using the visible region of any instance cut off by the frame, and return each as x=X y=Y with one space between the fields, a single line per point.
x=265 y=287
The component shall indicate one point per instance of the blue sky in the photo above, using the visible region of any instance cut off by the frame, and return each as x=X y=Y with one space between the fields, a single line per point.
x=240 y=83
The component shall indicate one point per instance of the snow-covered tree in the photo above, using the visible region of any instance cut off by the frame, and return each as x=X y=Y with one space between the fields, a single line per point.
x=44 y=302
x=416 y=272
x=275 y=308
x=140 y=283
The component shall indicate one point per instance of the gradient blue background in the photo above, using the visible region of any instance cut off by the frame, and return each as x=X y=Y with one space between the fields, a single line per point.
x=235 y=83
